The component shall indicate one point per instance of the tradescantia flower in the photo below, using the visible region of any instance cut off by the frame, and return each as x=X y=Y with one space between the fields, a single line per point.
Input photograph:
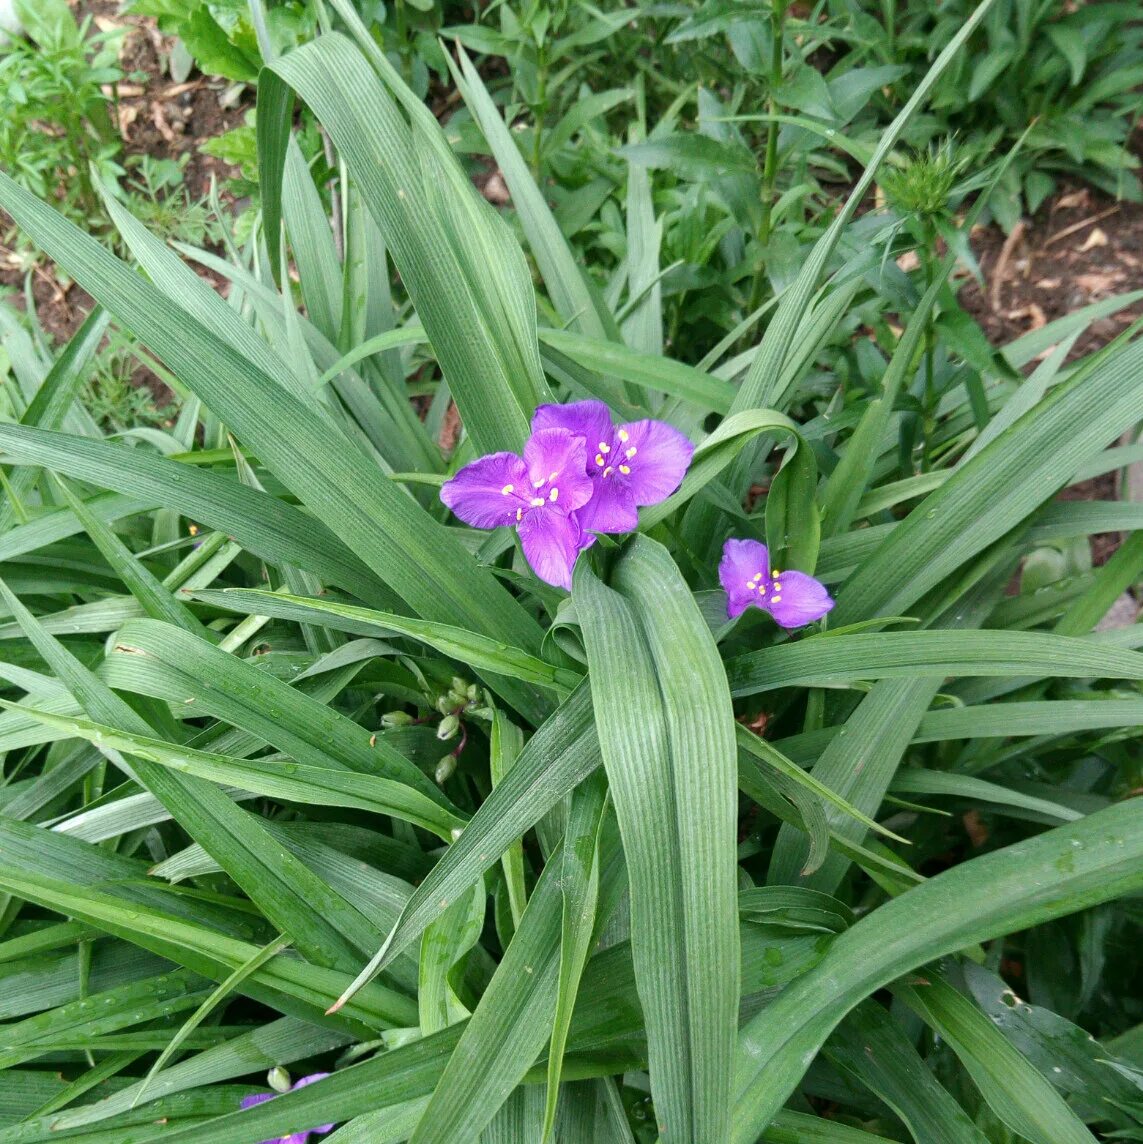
x=294 y=1137
x=538 y=493
x=639 y=463
x=792 y=598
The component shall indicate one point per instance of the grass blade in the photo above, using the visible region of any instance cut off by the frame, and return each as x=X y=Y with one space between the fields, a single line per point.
x=666 y=730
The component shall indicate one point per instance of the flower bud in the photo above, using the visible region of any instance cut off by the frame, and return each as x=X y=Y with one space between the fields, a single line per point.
x=445 y=769
x=448 y=728
x=278 y=1079
x=445 y=704
x=473 y=693
x=396 y=719
x=458 y=685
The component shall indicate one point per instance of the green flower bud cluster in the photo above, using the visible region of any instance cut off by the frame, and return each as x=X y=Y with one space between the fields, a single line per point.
x=464 y=699
x=278 y=1079
x=923 y=183
x=445 y=768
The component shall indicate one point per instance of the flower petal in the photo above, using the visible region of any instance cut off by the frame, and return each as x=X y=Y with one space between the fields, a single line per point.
x=260 y=1098
x=586 y=540
x=557 y=463
x=590 y=420
x=741 y=561
x=477 y=493
x=800 y=599
x=612 y=509
x=551 y=544
x=657 y=455
x=301 y=1083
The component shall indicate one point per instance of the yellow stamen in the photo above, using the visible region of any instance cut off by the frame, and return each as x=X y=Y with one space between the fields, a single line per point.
x=519 y=514
x=631 y=452
x=624 y=436
x=599 y=459
x=604 y=447
x=608 y=471
x=775 y=599
x=537 y=502
x=507 y=489
x=553 y=494
x=624 y=469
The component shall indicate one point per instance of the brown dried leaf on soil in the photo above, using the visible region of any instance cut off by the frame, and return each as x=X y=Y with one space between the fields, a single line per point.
x=1096 y=238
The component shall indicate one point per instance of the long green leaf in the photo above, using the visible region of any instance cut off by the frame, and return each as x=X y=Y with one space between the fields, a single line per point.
x=573 y=299
x=1059 y=872
x=883 y=655
x=467 y=278
x=409 y=551
x=580 y=888
x=52 y=400
x=266 y=526
x=872 y=1046
x=320 y=786
x=479 y=652
x=285 y=888
x=562 y=753
x=996 y=489
x=1020 y=1096
x=666 y=730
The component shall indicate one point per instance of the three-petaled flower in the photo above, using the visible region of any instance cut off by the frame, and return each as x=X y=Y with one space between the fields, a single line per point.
x=538 y=493
x=579 y=474
x=792 y=598
x=639 y=463
x=294 y=1137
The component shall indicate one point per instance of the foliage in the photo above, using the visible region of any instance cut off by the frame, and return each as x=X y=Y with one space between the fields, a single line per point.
x=1069 y=73
x=58 y=137
x=750 y=115
x=57 y=124
x=300 y=773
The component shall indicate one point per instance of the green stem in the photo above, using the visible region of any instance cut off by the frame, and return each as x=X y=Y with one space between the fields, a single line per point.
x=770 y=163
x=402 y=40
x=928 y=428
x=770 y=168
x=889 y=8
x=540 y=107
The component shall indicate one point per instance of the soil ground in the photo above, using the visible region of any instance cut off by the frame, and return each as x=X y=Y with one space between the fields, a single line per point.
x=1080 y=248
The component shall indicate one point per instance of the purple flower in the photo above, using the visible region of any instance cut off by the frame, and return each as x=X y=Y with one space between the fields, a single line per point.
x=538 y=493
x=294 y=1137
x=639 y=463
x=792 y=598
